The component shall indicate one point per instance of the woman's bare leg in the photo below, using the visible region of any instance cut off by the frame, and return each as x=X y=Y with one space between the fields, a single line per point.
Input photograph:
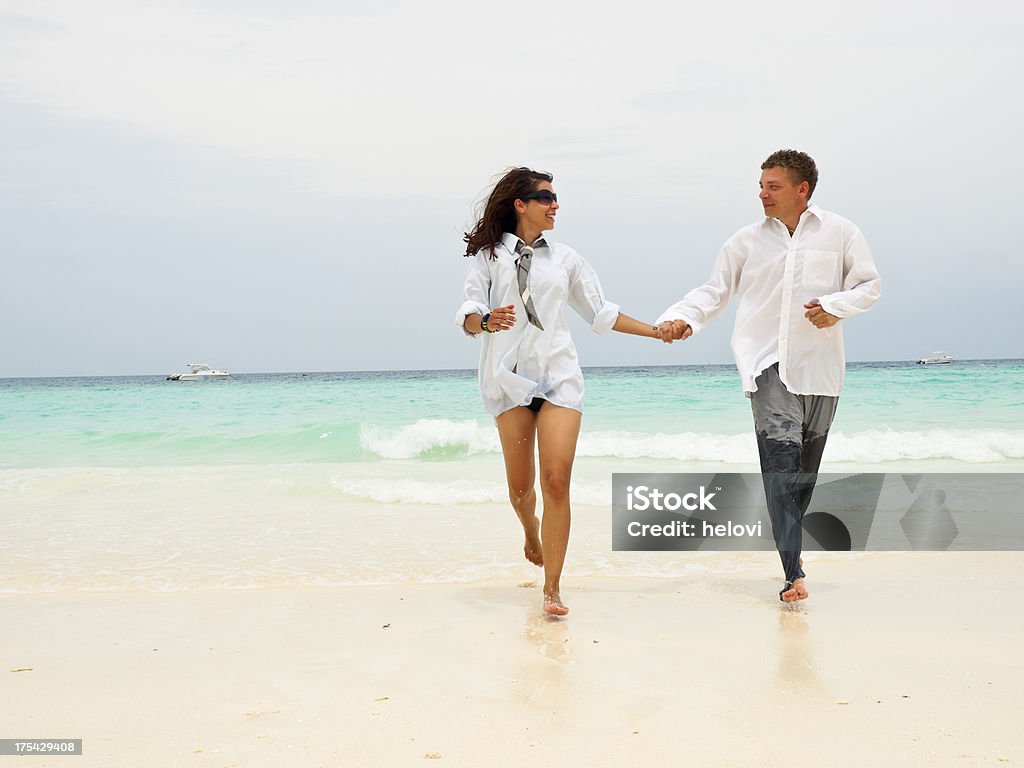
x=557 y=432
x=517 y=429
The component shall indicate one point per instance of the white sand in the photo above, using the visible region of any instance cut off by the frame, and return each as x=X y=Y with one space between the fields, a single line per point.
x=896 y=660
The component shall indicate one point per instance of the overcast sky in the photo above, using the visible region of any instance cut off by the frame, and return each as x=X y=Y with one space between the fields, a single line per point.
x=282 y=186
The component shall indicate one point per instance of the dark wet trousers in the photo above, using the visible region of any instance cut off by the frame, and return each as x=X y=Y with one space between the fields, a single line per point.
x=791 y=433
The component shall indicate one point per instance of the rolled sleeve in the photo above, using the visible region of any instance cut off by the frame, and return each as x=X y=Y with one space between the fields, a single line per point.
x=587 y=298
x=475 y=293
x=605 y=318
x=469 y=308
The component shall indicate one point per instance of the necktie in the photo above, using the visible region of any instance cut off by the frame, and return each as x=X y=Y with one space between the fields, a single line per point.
x=525 y=254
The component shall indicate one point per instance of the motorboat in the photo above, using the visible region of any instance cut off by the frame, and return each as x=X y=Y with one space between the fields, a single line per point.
x=936 y=358
x=198 y=372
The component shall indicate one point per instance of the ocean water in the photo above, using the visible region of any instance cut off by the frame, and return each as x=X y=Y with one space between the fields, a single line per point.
x=970 y=411
x=382 y=477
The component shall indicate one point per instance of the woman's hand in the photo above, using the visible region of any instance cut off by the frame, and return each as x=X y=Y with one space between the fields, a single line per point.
x=502 y=318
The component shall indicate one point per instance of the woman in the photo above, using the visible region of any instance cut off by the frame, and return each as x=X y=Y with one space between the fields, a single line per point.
x=517 y=288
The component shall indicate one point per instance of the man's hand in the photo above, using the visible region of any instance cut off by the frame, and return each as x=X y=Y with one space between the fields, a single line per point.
x=819 y=317
x=673 y=330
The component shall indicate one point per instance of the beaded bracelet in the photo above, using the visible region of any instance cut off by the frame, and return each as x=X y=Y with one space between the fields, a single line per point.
x=483 y=323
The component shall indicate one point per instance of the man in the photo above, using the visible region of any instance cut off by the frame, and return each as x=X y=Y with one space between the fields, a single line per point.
x=797 y=273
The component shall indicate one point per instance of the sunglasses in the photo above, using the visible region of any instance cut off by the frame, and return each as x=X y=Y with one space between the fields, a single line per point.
x=542 y=196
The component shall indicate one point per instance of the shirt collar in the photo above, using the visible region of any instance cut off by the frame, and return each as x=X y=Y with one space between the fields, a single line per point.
x=509 y=240
x=810 y=210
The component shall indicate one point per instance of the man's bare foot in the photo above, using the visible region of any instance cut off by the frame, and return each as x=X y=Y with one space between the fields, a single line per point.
x=793 y=591
x=553 y=604
x=532 y=548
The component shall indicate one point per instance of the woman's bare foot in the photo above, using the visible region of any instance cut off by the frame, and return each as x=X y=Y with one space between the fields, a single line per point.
x=793 y=591
x=532 y=548
x=553 y=604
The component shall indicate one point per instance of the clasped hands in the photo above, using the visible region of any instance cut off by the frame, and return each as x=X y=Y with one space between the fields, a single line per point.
x=673 y=330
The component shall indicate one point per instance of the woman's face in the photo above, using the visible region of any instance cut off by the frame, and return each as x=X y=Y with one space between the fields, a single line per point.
x=538 y=215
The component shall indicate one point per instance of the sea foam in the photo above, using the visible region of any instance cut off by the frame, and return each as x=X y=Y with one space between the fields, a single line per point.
x=430 y=436
x=454 y=492
x=442 y=438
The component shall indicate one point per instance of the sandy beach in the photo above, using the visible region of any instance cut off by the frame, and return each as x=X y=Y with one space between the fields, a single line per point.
x=897 y=659
x=249 y=603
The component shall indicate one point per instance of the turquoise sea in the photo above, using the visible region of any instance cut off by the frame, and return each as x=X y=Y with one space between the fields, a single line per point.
x=970 y=411
x=375 y=477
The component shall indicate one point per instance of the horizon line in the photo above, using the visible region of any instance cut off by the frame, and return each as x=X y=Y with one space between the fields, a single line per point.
x=470 y=370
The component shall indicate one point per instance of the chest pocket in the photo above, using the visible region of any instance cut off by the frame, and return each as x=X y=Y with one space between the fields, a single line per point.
x=821 y=270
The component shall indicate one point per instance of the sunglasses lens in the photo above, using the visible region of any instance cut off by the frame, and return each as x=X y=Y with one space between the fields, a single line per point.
x=545 y=197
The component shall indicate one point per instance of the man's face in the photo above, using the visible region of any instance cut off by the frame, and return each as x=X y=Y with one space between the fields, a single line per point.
x=780 y=196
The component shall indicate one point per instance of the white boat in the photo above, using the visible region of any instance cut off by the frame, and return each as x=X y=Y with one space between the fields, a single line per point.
x=936 y=358
x=198 y=372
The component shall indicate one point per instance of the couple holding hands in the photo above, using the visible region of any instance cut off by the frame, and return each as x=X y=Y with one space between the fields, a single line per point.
x=795 y=274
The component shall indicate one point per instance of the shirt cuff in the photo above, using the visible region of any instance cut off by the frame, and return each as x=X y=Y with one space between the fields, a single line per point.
x=467 y=309
x=825 y=303
x=605 y=318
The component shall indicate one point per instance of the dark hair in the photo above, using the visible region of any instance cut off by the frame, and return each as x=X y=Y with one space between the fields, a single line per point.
x=499 y=213
x=800 y=166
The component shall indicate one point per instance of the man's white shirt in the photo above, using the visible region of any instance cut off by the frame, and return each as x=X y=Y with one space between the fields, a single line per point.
x=773 y=274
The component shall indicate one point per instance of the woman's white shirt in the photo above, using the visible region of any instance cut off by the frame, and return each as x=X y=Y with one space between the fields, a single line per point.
x=525 y=362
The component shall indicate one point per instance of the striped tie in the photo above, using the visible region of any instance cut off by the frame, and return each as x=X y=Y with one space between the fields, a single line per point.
x=525 y=254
